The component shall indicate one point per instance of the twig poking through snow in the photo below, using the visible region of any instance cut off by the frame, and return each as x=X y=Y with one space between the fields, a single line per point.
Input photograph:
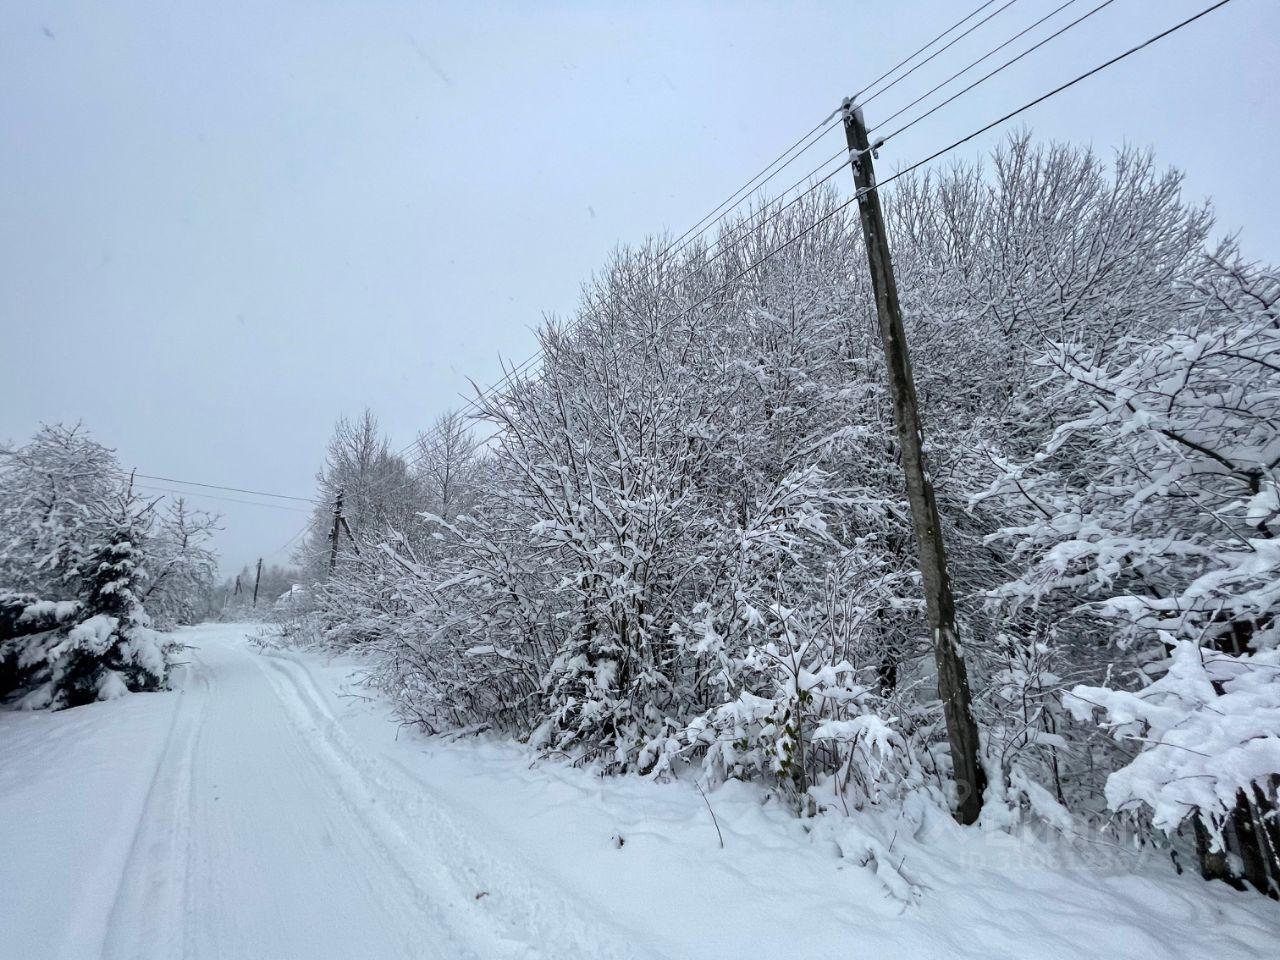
x=712 y=812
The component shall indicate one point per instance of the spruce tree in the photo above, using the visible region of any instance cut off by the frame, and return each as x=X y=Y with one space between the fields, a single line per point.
x=112 y=650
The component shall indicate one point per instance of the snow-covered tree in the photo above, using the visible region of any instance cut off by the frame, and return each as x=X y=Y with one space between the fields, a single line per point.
x=113 y=649
x=79 y=555
x=49 y=490
x=183 y=565
x=1154 y=510
x=377 y=487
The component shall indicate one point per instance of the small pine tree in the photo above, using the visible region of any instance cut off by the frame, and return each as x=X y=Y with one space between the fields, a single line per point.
x=81 y=558
x=113 y=650
x=110 y=648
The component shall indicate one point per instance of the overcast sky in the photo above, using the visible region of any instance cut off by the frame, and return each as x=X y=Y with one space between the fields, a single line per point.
x=222 y=224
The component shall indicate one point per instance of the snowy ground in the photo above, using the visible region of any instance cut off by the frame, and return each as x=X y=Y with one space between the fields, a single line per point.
x=267 y=811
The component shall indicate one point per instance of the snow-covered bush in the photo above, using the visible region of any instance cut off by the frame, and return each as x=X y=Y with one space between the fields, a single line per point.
x=1209 y=730
x=684 y=541
x=1152 y=509
x=644 y=540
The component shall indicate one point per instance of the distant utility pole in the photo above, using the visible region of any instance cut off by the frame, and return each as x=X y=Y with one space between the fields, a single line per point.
x=256 y=580
x=953 y=678
x=337 y=530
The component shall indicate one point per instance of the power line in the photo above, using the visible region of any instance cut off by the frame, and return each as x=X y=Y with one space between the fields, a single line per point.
x=843 y=152
x=994 y=50
x=208 y=486
x=963 y=140
x=474 y=404
x=821 y=129
x=212 y=496
x=973 y=13
x=285 y=546
x=939 y=51
x=215 y=486
x=827 y=124
x=723 y=246
x=1004 y=66
x=947 y=149
x=831 y=119
x=1058 y=89
x=720 y=211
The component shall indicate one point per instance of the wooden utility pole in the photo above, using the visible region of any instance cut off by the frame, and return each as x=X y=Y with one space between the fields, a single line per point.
x=346 y=527
x=337 y=529
x=256 y=580
x=953 y=678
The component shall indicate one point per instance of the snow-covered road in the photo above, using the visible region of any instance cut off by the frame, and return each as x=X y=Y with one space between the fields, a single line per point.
x=258 y=812
x=250 y=845
x=260 y=833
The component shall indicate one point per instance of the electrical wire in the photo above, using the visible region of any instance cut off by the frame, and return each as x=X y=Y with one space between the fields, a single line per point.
x=827 y=124
x=472 y=404
x=1058 y=89
x=723 y=209
x=213 y=496
x=880 y=141
x=288 y=543
x=994 y=50
x=1004 y=66
x=973 y=13
x=945 y=150
x=215 y=486
x=940 y=50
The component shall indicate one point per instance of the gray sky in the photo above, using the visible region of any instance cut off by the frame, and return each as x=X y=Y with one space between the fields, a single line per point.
x=224 y=224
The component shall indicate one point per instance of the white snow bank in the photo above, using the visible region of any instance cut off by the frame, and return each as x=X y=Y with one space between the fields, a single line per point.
x=646 y=857
x=72 y=788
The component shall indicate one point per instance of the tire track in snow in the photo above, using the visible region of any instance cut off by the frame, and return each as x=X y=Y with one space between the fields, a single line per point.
x=282 y=866
x=399 y=881
x=461 y=864
x=146 y=918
